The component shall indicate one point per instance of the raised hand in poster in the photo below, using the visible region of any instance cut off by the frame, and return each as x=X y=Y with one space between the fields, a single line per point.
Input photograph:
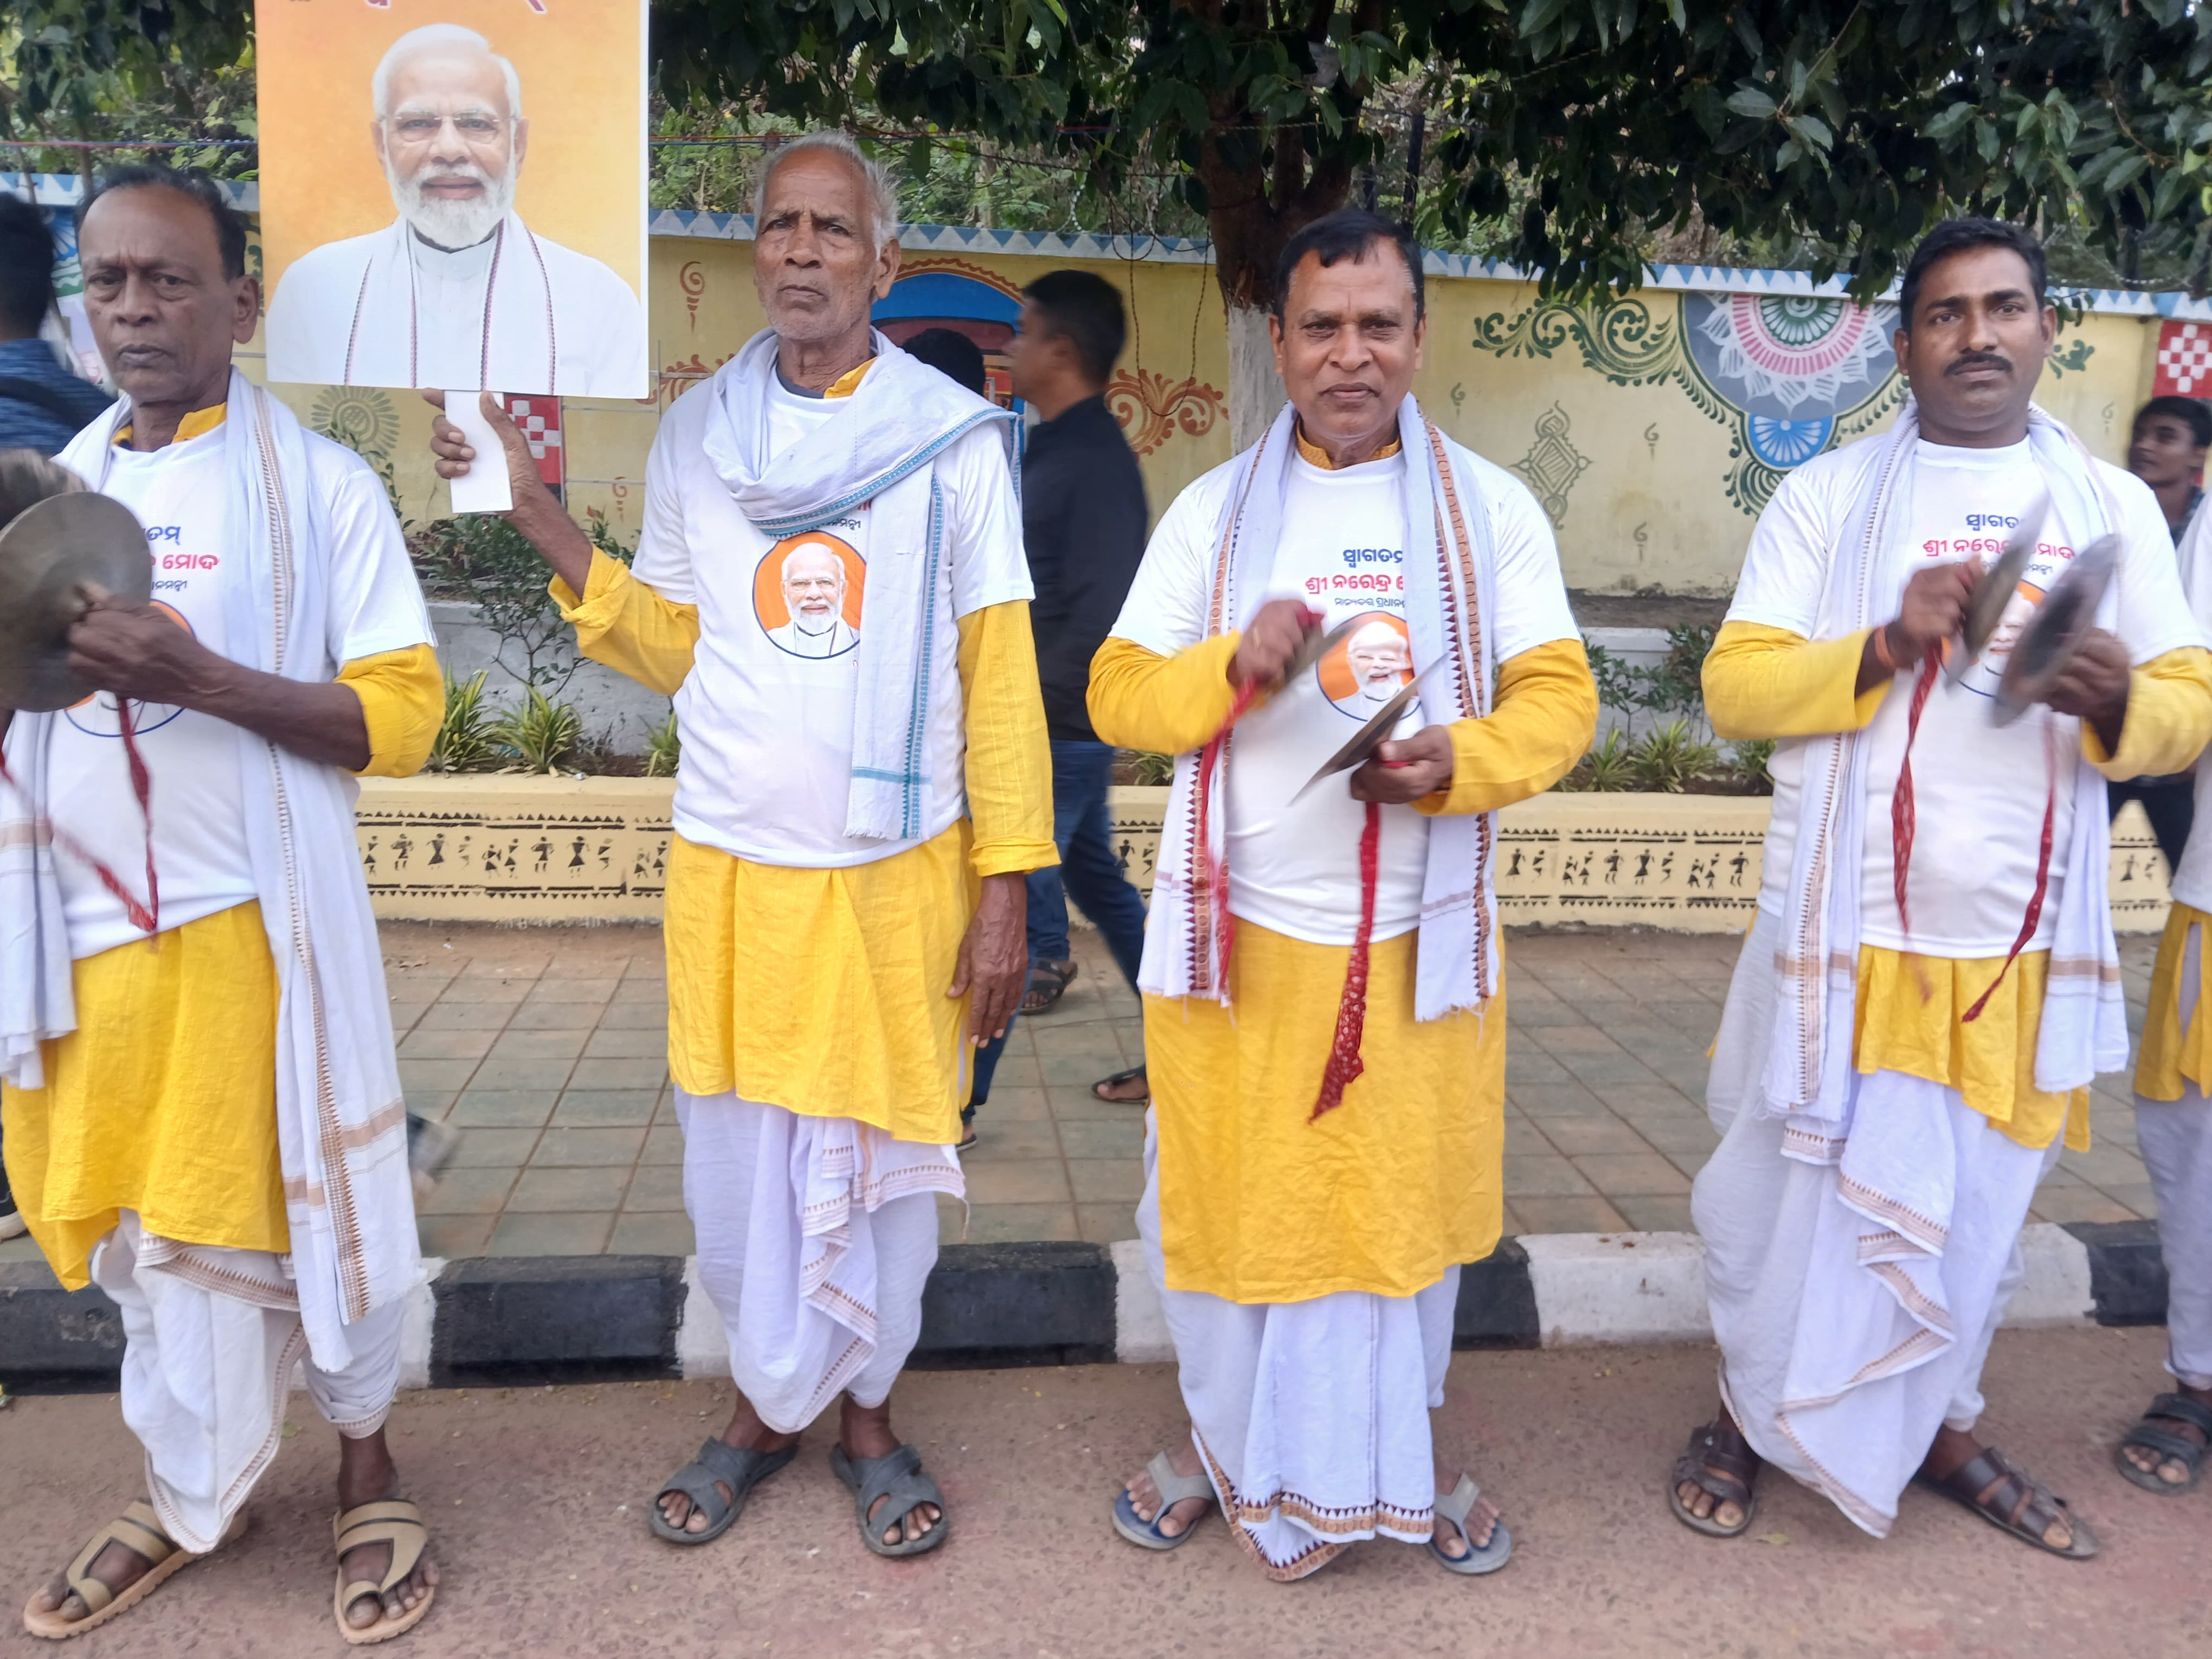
x=452 y=194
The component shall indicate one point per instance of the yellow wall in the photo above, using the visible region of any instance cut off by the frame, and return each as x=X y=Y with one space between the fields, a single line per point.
x=1649 y=505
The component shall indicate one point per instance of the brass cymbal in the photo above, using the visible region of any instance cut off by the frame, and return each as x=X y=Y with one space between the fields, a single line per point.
x=59 y=538
x=2055 y=633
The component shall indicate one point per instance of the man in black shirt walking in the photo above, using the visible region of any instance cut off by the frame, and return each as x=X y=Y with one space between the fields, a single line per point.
x=1083 y=521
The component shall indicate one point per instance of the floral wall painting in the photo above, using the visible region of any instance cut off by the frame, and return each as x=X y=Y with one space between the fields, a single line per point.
x=1789 y=375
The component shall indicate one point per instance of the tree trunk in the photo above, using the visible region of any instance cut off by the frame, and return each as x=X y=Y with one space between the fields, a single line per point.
x=1252 y=215
x=1255 y=392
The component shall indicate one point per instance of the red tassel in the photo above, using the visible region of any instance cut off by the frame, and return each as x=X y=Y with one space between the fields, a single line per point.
x=2042 y=880
x=1904 y=818
x=147 y=917
x=1344 y=1064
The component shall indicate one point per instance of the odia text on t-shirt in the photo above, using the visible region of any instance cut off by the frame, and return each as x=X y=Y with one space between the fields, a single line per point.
x=1293 y=859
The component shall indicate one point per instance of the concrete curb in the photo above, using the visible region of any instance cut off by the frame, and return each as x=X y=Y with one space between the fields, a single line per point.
x=504 y=1320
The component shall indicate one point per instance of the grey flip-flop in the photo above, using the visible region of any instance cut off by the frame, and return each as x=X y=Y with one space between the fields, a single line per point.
x=897 y=1480
x=1173 y=1489
x=1455 y=1507
x=734 y=1467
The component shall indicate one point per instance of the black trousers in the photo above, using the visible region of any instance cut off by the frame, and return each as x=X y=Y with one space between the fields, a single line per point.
x=2171 y=805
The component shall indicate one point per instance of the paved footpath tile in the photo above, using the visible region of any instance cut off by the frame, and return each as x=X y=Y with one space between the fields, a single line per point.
x=546 y=1049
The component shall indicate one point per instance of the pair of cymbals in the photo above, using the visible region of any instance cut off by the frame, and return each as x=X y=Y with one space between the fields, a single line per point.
x=2054 y=636
x=59 y=541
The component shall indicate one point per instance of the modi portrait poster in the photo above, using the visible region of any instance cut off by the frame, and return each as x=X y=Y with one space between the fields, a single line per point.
x=453 y=194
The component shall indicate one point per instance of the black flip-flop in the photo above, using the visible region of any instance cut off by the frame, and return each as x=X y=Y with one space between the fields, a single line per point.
x=1049 y=982
x=1135 y=1073
x=897 y=1480
x=2147 y=1434
x=735 y=1466
x=1720 y=1463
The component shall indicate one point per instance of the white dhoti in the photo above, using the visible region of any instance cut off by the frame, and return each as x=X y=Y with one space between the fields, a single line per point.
x=1850 y=1331
x=816 y=1235
x=210 y=1338
x=2175 y=1139
x=1311 y=1417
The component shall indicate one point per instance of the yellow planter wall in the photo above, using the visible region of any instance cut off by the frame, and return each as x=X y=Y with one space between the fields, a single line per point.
x=549 y=850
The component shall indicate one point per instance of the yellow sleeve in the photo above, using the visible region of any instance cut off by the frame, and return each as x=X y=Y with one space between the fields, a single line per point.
x=403 y=701
x=2169 y=718
x=1009 y=758
x=1541 y=723
x=625 y=625
x=1141 y=700
x=1763 y=682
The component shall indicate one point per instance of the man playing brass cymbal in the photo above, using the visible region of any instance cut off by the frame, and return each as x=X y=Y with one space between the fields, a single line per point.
x=203 y=1109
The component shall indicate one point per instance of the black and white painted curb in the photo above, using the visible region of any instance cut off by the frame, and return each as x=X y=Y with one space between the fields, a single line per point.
x=504 y=1320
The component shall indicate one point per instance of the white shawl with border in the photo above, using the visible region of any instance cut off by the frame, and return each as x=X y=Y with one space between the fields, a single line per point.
x=341 y=1120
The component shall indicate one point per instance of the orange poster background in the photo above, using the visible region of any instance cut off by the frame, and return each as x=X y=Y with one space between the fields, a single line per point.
x=1337 y=679
x=768 y=579
x=581 y=63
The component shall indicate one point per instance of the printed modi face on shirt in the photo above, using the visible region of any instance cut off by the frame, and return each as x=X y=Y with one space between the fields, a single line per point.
x=451 y=134
x=807 y=594
x=1364 y=672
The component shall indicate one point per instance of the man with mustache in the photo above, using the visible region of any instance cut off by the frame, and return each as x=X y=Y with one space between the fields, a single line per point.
x=203 y=1111
x=1931 y=983
x=456 y=292
x=1325 y=1029
x=844 y=914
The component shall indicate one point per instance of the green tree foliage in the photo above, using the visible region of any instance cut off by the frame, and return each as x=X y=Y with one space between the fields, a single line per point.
x=153 y=70
x=1587 y=122
x=1578 y=128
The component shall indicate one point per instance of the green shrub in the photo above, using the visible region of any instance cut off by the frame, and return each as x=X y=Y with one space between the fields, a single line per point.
x=1754 y=761
x=540 y=734
x=464 y=742
x=663 y=748
x=1670 y=757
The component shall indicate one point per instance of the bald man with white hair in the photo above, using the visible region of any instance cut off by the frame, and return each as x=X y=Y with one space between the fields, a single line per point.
x=855 y=810
x=457 y=293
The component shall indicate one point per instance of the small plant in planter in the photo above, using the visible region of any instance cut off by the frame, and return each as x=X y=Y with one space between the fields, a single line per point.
x=465 y=741
x=540 y=733
x=1754 y=763
x=1152 y=770
x=1608 y=765
x=663 y=749
x=1670 y=757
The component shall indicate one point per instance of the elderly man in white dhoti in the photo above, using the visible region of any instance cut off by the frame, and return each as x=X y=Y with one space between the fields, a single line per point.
x=1931 y=983
x=844 y=914
x=203 y=1110
x=456 y=292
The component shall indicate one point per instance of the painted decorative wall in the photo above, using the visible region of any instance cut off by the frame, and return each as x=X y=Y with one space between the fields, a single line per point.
x=1651 y=428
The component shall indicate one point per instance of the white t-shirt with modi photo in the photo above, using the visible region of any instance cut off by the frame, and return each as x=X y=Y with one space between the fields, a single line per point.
x=1979 y=789
x=767 y=711
x=1294 y=859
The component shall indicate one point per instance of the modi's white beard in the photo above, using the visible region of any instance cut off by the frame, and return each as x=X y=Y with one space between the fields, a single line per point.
x=452 y=223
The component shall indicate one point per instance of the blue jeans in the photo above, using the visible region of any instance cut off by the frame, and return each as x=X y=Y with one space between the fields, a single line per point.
x=1089 y=869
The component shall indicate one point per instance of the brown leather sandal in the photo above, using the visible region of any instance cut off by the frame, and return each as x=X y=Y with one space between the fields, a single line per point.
x=1995 y=1487
x=1720 y=1461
